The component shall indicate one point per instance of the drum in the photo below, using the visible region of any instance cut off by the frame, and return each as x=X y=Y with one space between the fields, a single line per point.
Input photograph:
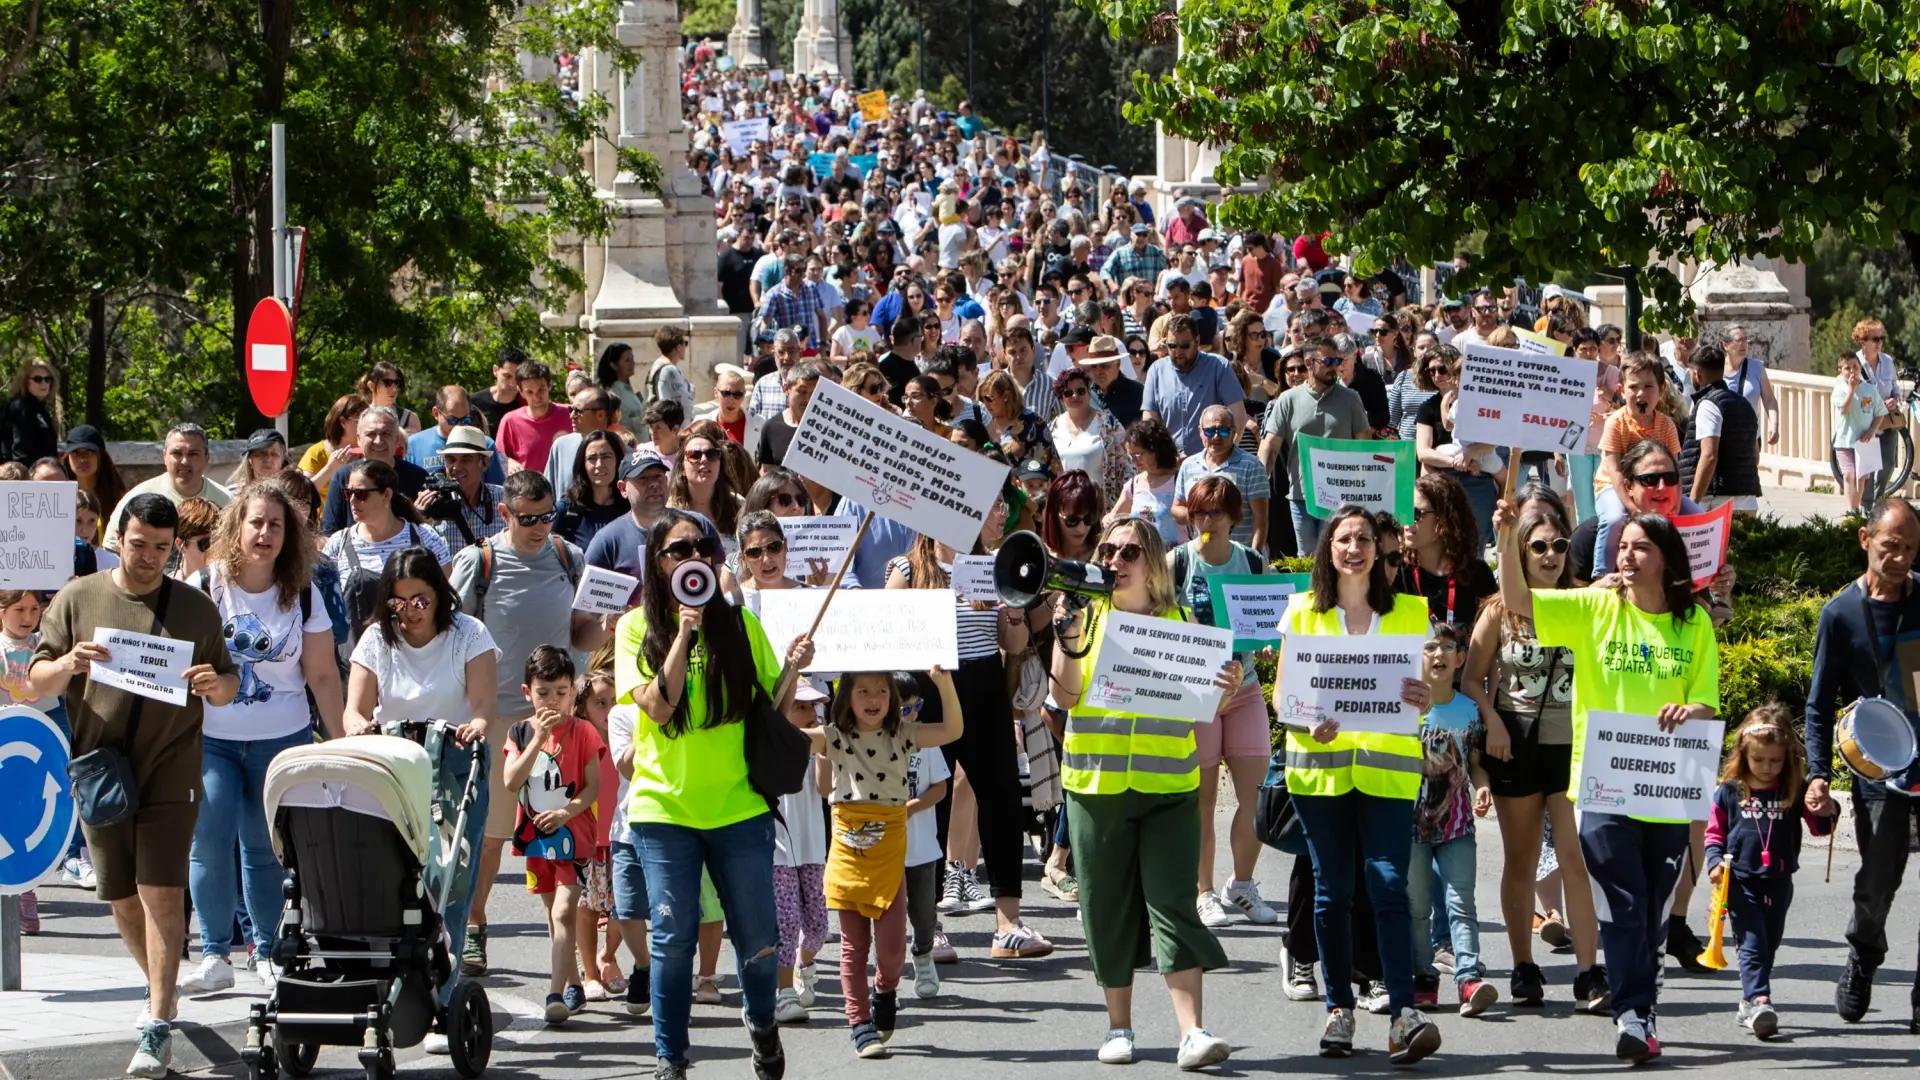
x=1874 y=738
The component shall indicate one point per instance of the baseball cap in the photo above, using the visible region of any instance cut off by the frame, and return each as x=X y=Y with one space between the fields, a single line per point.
x=84 y=437
x=639 y=462
x=263 y=438
x=1078 y=334
x=1140 y=229
x=1033 y=469
x=806 y=691
x=1208 y=234
x=1105 y=349
x=465 y=440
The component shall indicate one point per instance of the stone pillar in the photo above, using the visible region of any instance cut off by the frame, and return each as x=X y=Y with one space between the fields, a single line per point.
x=821 y=46
x=1183 y=168
x=748 y=40
x=1769 y=300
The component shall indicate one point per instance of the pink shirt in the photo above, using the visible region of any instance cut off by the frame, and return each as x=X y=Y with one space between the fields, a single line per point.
x=527 y=440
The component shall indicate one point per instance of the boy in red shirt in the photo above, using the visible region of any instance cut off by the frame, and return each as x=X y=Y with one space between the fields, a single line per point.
x=553 y=766
x=526 y=434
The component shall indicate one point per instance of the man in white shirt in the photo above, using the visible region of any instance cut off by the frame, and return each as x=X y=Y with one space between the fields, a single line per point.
x=956 y=237
x=184 y=477
x=1486 y=318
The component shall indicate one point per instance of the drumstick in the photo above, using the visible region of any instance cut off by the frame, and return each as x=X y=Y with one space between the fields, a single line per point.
x=1830 y=836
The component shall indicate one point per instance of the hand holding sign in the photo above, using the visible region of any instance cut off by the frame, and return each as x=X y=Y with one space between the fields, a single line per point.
x=1375 y=474
x=1706 y=538
x=1363 y=683
x=153 y=667
x=1526 y=400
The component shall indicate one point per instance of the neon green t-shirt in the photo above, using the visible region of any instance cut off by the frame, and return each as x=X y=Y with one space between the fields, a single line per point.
x=1625 y=660
x=699 y=778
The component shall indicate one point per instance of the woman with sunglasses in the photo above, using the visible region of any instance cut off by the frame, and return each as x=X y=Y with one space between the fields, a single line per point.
x=1440 y=376
x=1877 y=364
x=925 y=401
x=1390 y=354
x=1151 y=492
x=1251 y=354
x=693 y=672
x=1239 y=736
x=701 y=482
x=1089 y=439
x=385 y=384
x=1133 y=809
x=1014 y=428
x=31 y=431
x=1443 y=562
x=1525 y=695
x=1650 y=616
x=593 y=501
x=193 y=537
x=1355 y=793
x=988 y=632
x=382 y=525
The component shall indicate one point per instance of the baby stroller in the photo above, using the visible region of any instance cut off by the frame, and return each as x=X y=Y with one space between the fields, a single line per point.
x=373 y=831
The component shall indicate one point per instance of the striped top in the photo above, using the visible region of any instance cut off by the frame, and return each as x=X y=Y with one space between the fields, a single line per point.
x=978 y=631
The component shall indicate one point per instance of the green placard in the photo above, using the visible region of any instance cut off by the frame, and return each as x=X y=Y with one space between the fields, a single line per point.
x=1252 y=605
x=1375 y=473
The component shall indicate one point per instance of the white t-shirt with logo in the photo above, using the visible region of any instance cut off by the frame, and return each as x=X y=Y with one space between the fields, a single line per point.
x=428 y=683
x=925 y=768
x=266 y=641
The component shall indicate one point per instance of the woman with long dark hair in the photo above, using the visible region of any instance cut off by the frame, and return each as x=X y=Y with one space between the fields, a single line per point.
x=1443 y=560
x=700 y=482
x=1355 y=793
x=386 y=384
x=593 y=500
x=1645 y=648
x=613 y=372
x=88 y=464
x=694 y=672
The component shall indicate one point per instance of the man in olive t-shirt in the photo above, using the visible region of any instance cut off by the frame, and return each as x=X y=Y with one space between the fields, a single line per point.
x=141 y=864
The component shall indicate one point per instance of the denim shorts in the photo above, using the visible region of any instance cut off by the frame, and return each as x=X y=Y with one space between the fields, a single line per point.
x=629 y=884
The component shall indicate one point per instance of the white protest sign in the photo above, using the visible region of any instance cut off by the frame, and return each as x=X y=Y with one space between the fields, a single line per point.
x=866 y=629
x=1867 y=459
x=814 y=542
x=740 y=135
x=973 y=578
x=894 y=467
x=713 y=105
x=1353 y=681
x=36 y=534
x=776 y=75
x=1359 y=323
x=1514 y=398
x=1538 y=344
x=603 y=591
x=1253 y=605
x=1629 y=766
x=1158 y=667
x=1706 y=538
x=153 y=667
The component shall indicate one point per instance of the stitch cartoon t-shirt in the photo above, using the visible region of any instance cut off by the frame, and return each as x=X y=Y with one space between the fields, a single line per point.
x=17 y=655
x=1626 y=660
x=265 y=640
x=561 y=772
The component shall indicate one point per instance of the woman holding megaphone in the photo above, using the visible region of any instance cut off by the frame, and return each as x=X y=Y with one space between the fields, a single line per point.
x=694 y=663
x=1355 y=792
x=1133 y=799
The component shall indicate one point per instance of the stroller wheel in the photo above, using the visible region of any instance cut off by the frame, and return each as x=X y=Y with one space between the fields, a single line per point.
x=296 y=1059
x=469 y=1025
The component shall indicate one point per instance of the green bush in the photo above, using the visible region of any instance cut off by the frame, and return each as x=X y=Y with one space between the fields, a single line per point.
x=1777 y=559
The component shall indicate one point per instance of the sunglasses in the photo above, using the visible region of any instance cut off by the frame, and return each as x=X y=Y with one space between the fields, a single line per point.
x=390 y=382
x=1869 y=337
x=731 y=394
x=418 y=602
x=1216 y=432
x=681 y=550
x=709 y=454
x=363 y=494
x=1438 y=372
x=1296 y=369
x=1558 y=545
x=768 y=549
x=1420 y=513
x=1488 y=310
x=1669 y=478
x=42 y=380
x=1123 y=553
x=201 y=544
x=1074 y=521
x=788 y=499
x=1078 y=291
x=462 y=421
x=1332 y=361
x=1393 y=559
x=1075 y=392
x=576 y=410
x=1382 y=331
x=528 y=521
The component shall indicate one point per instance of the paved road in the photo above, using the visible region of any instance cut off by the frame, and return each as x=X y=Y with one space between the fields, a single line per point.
x=1044 y=1018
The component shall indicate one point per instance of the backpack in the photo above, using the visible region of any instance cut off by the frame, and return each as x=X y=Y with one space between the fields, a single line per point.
x=204 y=582
x=85 y=560
x=1185 y=565
x=485 y=580
x=361 y=588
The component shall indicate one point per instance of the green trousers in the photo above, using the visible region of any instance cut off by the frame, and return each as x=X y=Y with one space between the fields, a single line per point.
x=1136 y=857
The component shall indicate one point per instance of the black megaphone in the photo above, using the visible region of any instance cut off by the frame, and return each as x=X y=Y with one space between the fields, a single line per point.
x=1022 y=570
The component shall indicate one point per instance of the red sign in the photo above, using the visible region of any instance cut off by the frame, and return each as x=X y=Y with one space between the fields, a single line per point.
x=271 y=364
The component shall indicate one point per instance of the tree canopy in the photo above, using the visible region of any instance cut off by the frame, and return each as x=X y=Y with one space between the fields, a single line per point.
x=429 y=169
x=1575 y=134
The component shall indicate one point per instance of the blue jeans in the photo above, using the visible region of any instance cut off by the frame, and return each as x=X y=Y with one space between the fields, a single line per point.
x=1453 y=863
x=740 y=859
x=1306 y=528
x=1381 y=831
x=234 y=776
x=449 y=783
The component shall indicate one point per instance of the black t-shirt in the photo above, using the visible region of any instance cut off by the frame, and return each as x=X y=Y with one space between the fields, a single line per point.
x=1453 y=598
x=736 y=277
x=491 y=409
x=1373 y=394
x=775 y=436
x=1584 y=535
x=1123 y=400
x=837 y=191
x=899 y=372
x=1429 y=414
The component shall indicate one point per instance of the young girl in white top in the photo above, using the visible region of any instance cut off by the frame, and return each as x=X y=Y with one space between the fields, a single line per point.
x=799 y=876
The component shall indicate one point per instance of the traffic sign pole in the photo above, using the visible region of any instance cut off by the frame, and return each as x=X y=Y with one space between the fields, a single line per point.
x=280 y=288
x=9 y=943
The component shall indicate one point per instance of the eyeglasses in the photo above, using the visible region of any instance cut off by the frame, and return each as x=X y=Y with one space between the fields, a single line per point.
x=390 y=383
x=709 y=454
x=1558 y=545
x=1668 y=478
x=1073 y=392
x=418 y=602
x=788 y=499
x=1609 y=341
x=1077 y=291
x=732 y=394
x=1216 y=432
x=576 y=410
x=1382 y=331
x=945 y=391
x=1486 y=308
x=1420 y=512
x=1332 y=361
x=200 y=544
x=1074 y=521
x=1123 y=553
x=1296 y=369
x=1435 y=648
x=1869 y=337
x=528 y=521
x=1437 y=371
x=461 y=421
x=363 y=494
x=766 y=550
x=680 y=551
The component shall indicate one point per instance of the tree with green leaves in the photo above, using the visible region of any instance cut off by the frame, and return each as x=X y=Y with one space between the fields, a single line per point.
x=430 y=161
x=1574 y=134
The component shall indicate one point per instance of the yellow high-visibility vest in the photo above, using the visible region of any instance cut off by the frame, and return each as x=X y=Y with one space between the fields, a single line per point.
x=1108 y=752
x=1387 y=766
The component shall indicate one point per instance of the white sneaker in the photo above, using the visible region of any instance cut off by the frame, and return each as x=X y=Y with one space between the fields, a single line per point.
x=154 y=1055
x=787 y=1008
x=1245 y=895
x=1633 y=1040
x=436 y=1044
x=1376 y=1002
x=1212 y=911
x=214 y=973
x=1201 y=1048
x=78 y=871
x=1118 y=1049
x=1411 y=1037
x=803 y=979
x=1336 y=1039
x=268 y=975
x=926 y=977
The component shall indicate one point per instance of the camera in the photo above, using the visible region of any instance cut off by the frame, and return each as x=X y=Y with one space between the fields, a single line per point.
x=445 y=504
